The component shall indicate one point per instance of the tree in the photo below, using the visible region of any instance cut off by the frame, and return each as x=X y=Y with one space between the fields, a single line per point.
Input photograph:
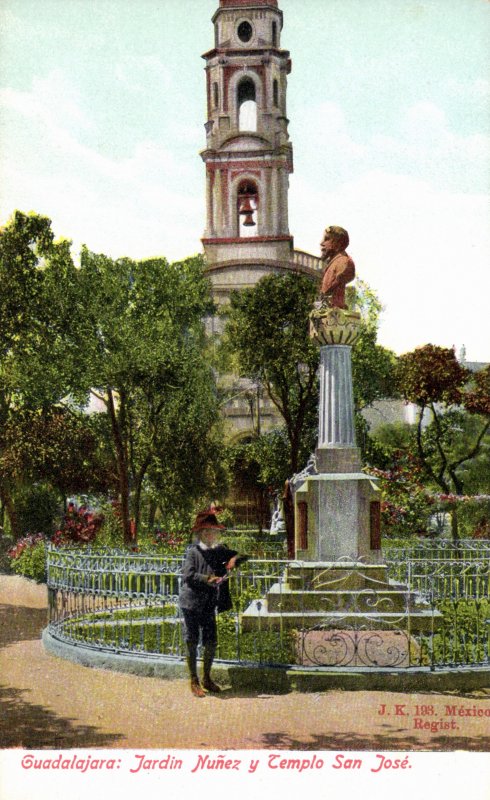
x=60 y=446
x=444 y=391
x=188 y=450
x=373 y=366
x=38 y=330
x=267 y=334
x=407 y=505
x=144 y=346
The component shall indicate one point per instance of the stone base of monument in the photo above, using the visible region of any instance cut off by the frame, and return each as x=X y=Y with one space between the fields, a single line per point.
x=353 y=648
x=340 y=595
x=337 y=514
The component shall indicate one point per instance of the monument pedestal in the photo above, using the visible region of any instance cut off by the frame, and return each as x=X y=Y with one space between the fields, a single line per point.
x=336 y=599
x=337 y=516
x=337 y=508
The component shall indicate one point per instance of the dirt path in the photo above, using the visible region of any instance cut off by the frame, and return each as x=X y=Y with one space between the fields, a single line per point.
x=47 y=702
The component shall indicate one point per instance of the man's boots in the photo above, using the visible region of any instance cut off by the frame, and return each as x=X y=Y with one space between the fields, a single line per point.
x=208 y=658
x=192 y=664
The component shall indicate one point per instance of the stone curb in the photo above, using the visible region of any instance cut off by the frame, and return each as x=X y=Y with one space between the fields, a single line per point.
x=276 y=679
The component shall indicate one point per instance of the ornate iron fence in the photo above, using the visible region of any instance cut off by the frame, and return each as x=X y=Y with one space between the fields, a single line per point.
x=431 y=613
x=440 y=550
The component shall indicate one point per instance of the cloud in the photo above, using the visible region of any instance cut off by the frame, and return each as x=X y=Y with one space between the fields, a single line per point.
x=421 y=143
x=417 y=238
x=475 y=90
x=141 y=74
x=52 y=101
x=139 y=205
x=427 y=145
x=329 y=150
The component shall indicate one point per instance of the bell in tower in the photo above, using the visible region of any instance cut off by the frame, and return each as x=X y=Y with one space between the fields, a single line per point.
x=247 y=205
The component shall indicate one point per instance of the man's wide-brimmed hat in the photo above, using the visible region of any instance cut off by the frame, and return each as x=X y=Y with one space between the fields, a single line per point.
x=207 y=520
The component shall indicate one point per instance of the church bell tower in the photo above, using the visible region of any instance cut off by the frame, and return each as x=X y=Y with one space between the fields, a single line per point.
x=248 y=158
x=248 y=155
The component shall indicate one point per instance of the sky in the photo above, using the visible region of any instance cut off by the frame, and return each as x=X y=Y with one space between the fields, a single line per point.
x=102 y=111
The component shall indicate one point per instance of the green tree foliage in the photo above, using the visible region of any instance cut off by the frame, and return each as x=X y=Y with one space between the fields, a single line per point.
x=445 y=391
x=373 y=366
x=130 y=333
x=394 y=436
x=38 y=332
x=270 y=451
x=187 y=464
x=25 y=242
x=37 y=506
x=144 y=345
x=61 y=446
x=373 y=370
x=267 y=333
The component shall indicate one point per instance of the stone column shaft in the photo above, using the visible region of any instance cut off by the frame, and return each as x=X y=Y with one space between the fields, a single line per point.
x=336 y=413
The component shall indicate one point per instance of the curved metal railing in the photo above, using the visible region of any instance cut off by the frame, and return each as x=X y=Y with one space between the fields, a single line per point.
x=124 y=602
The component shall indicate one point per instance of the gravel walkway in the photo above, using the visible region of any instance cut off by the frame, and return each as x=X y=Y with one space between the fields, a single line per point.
x=47 y=702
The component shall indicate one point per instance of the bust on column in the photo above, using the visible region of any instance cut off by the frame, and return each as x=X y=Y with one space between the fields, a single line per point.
x=339 y=266
x=333 y=512
x=331 y=322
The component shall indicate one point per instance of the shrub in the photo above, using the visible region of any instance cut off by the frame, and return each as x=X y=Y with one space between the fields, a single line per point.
x=80 y=526
x=406 y=505
x=5 y=547
x=225 y=517
x=28 y=557
x=241 y=543
x=474 y=518
x=461 y=638
x=37 y=507
x=111 y=531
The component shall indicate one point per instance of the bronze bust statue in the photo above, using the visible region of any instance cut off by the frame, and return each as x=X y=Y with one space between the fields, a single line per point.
x=339 y=267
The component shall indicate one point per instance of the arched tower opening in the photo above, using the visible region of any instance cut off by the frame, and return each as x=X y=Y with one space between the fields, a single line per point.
x=247 y=105
x=247 y=209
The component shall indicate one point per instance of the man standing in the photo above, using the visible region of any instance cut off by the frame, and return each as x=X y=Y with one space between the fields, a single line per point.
x=340 y=268
x=204 y=590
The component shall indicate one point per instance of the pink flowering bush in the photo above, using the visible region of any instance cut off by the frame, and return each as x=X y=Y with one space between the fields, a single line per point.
x=80 y=526
x=406 y=504
x=28 y=555
x=21 y=545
